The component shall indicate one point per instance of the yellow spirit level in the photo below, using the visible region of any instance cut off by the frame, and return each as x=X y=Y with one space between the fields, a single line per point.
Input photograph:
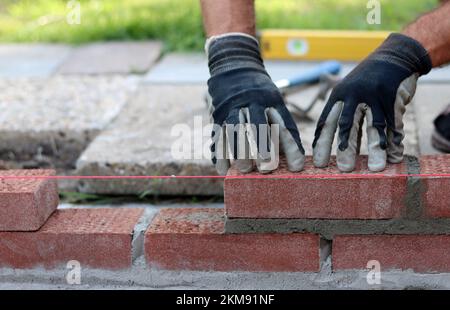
x=319 y=44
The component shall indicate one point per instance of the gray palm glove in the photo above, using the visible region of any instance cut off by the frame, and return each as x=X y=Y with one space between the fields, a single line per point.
x=377 y=90
x=245 y=104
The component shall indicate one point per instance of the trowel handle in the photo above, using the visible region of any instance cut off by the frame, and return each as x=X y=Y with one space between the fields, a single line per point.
x=310 y=76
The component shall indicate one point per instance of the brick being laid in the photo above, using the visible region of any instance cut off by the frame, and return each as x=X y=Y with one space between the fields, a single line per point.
x=316 y=193
x=194 y=239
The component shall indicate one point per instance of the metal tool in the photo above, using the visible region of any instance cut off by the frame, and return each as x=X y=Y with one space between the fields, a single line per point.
x=325 y=74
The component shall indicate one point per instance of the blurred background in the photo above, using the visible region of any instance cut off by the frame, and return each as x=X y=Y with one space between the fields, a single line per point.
x=178 y=22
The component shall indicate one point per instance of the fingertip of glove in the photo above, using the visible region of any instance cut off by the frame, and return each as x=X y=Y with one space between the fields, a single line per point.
x=245 y=168
x=320 y=160
x=222 y=168
x=265 y=167
x=378 y=167
x=297 y=164
x=345 y=167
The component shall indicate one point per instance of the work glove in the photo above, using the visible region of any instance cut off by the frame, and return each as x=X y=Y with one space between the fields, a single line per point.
x=378 y=89
x=243 y=102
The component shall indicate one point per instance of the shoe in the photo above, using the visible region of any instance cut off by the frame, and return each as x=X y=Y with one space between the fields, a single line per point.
x=441 y=135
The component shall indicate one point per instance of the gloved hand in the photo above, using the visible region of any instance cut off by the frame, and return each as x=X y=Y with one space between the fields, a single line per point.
x=378 y=89
x=243 y=94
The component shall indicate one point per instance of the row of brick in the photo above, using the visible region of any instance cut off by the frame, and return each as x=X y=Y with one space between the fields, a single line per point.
x=193 y=239
x=328 y=194
x=27 y=202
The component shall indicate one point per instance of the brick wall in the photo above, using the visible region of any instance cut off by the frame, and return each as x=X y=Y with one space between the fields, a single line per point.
x=279 y=222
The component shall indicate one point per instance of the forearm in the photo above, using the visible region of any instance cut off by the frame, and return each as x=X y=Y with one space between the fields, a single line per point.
x=225 y=16
x=432 y=30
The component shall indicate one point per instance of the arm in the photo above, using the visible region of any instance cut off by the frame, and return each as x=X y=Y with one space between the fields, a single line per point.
x=244 y=102
x=226 y=16
x=433 y=32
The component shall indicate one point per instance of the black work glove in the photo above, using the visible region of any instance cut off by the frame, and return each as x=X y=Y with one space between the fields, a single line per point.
x=378 y=89
x=244 y=101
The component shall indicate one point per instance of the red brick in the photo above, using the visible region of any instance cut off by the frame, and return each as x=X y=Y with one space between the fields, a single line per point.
x=436 y=193
x=194 y=239
x=422 y=253
x=99 y=238
x=332 y=197
x=26 y=203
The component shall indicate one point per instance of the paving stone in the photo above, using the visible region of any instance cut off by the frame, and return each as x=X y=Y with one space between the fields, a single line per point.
x=429 y=101
x=181 y=68
x=31 y=60
x=26 y=203
x=419 y=253
x=194 y=239
x=330 y=197
x=48 y=122
x=112 y=57
x=98 y=238
x=139 y=142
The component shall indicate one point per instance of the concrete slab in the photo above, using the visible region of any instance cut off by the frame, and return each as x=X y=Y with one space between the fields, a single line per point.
x=112 y=57
x=139 y=142
x=48 y=122
x=31 y=60
x=429 y=101
x=182 y=68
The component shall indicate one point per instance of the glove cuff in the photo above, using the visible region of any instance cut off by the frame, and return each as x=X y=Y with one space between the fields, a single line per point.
x=220 y=36
x=405 y=52
x=233 y=51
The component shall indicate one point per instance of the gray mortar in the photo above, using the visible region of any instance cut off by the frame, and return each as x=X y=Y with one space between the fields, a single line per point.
x=137 y=244
x=325 y=247
x=140 y=276
x=413 y=199
x=329 y=228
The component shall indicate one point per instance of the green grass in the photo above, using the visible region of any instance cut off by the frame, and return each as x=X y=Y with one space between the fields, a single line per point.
x=94 y=199
x=178 y=22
